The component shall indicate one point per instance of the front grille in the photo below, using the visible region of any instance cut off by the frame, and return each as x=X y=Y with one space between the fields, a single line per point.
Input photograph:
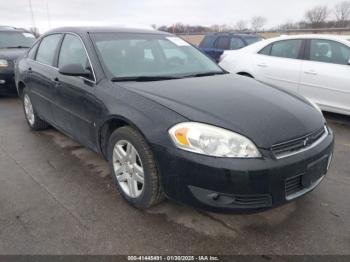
x=284 y=149
x=293 y=185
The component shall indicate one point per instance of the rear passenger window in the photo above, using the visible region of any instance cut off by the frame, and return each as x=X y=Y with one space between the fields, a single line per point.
x=223 y=42
x=47 y=49
x=286 y=48
x=236 y=43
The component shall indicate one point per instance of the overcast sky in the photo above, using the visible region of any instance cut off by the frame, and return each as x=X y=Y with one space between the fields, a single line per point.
x=55 y=13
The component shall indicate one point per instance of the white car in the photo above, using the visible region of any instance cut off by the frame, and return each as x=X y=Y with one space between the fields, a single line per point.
x=315 y=66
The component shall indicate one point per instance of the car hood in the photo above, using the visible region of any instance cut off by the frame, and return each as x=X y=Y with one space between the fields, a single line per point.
x=264 y=114
x=13 y=53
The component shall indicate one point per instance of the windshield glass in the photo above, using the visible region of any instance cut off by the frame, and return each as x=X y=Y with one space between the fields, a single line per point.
x=251 y=40
x=16 y=39
x=148 y=55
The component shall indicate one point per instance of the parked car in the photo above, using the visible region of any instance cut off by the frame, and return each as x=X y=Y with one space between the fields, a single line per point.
x=13 y=43
x=217 y=44
x=315 y=66
x=171 y=122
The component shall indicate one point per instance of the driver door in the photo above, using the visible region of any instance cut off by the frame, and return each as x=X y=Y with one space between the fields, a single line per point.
x=77 y=107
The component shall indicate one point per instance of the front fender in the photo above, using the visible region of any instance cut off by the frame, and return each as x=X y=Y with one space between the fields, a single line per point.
x=151 y=119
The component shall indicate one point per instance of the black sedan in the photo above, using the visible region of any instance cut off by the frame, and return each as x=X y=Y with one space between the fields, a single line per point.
x=171 y=122
x=13 y=44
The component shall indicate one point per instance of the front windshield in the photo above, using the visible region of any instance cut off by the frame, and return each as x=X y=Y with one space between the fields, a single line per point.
x=150 y=55
x=16 y=39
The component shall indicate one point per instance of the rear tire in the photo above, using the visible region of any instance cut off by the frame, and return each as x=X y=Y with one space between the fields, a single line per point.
x=34 y=121
x=133 y=168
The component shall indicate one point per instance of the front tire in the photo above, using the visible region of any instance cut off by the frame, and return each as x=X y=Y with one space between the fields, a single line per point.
x=133 y=168
x=33 y=120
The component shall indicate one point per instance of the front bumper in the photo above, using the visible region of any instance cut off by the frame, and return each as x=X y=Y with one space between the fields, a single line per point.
x=7 y=83
x=223 y=184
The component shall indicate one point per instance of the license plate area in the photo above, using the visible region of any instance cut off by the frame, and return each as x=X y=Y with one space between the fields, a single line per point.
x=303 y=183
x=315 y=170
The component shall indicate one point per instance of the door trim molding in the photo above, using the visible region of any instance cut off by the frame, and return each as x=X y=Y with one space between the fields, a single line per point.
x=64 y=108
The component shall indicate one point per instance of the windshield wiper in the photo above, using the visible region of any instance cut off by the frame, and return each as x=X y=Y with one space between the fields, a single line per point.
x=143 y=78
x=206 y=74
x=20 y=46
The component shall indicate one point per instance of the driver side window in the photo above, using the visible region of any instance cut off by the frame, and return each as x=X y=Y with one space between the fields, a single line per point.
x=73 y=52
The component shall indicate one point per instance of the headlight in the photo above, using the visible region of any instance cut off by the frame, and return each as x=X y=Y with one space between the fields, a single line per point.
x=4 y=63
x=212 y=141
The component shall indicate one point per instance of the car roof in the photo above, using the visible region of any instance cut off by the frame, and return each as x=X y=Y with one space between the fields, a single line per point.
x=261 y=44
x=311 y=36
x=12 y=29
x=104 y=29
x=233 y=34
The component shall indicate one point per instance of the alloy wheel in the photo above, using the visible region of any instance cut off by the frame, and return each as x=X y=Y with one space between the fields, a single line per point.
x=128 y=168
x=28 y=108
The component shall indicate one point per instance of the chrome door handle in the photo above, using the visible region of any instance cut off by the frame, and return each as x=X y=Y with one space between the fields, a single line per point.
x=262 y=65
x=56 y=82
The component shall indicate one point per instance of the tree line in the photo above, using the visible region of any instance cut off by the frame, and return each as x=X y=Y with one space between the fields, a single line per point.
x=337 y=16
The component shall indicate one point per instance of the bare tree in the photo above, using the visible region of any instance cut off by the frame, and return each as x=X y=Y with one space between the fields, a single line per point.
x=215 y=28
x=34 y=31
x=225 y=28
x=317 y=16
x=257 y=23
x=288 y=25
x=241 y=25
x=342 y=13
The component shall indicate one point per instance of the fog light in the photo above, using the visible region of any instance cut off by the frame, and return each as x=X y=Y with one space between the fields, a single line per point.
x=329 y=161
x=2 y=81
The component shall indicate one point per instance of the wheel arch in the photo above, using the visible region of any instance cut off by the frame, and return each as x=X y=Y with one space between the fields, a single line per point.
x=20 y=87
x=108 y=127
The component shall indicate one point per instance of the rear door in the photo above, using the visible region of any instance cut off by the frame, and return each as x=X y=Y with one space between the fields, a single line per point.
x=41 y=74
x=326 y=75
x=279 y=64
x=77 y=108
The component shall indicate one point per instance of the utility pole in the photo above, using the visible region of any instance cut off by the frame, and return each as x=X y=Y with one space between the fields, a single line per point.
x=48 y=14
x=32 y=13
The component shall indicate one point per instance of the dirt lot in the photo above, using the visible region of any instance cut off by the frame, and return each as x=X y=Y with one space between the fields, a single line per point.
x=56 y=198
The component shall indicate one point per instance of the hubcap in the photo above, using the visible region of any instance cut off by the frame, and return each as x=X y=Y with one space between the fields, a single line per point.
x=28 y=108
x=128 y=168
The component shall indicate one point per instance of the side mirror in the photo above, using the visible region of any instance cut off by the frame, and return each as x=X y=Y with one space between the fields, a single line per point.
x=349 y=61
x=74 y=70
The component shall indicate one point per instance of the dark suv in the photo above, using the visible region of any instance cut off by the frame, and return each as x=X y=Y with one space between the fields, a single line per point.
x=13 y=44
x=215 y=44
